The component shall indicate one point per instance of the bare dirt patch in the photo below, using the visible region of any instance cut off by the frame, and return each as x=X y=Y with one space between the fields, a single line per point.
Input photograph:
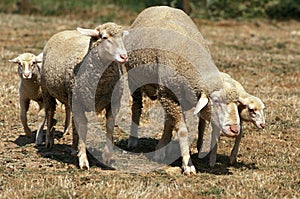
x=263 y=56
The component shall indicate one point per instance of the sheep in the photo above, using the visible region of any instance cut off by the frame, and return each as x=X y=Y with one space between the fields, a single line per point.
x=180 y=73
x=29 y=89
x=72 y=77
x=251 y=109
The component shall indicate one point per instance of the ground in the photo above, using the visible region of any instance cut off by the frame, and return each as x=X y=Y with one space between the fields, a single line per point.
x=263 y=55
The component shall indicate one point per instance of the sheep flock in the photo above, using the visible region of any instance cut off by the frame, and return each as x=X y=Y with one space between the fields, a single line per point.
x=164 y=58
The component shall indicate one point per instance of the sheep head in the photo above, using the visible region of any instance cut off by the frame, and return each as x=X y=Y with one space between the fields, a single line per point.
x=109 y=36
x=221 y=108
x=251 y=109
x=27 y=63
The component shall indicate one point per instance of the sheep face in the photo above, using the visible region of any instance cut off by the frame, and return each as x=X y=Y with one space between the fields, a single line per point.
x=26 y=64
x=114 y=47
x=251 y=109
x=109 y=37
x=224 y=114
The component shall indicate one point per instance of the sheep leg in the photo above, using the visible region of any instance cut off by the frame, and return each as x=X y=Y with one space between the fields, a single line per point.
x=136 y=109
x=201 y=129
x=24 y=106
x=50 y=106
x=75 y=139
x=108 y=149
x=41 y=123
x=79 y=125
x=214 y=145
x=187 y=165
x=160 y=152
x=67 y=120
x=235 y=149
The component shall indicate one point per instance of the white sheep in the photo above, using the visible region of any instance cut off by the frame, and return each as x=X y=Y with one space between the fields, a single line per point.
x=29 y=89
x=251 y=109
x=178 y=72
x=75 y=62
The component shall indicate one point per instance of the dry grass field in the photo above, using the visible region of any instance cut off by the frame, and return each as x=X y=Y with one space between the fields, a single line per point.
x=263 y=55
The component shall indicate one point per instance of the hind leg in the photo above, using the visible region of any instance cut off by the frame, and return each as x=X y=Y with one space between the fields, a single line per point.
x=136 y=109
x=50 y=106
x=41 y=124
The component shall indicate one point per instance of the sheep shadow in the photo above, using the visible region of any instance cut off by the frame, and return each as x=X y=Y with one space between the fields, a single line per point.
x=63 y=153
x=23 y=140
x=221 y=167
x=147 y=146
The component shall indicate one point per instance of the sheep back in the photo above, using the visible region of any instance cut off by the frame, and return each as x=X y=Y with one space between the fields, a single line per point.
x=62 y=53
x=172 y=19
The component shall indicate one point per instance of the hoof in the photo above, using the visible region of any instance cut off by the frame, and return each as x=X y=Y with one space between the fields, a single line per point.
x=28 y=133
x=83 y=162
x=74 y=152
x=132 y=142
x=232 y=160
x=106 y=158
x=49 y=143
x=159 y=155
x=189 y=170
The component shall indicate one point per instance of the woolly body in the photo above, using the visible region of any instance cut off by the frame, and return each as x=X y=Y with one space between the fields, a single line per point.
x=179 y=70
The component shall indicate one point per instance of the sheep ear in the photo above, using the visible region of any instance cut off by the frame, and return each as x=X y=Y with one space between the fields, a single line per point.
x=88 y=32
x=201 y=103
x=39 y=58
x=242 y=101
x=15 y=60
x=125 y=33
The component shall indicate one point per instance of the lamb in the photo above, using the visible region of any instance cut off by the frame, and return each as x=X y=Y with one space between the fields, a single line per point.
x=29 y=89
x=179 y=73
x=83 y=79
x=251 y=109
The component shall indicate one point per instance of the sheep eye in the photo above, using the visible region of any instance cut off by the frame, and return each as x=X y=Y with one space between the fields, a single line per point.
x=251 y=110
x=104 y=37
x=216 y=100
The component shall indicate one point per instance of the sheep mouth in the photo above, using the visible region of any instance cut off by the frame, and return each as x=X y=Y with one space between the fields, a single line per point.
x=231 y=130
x=122 y=59
x=260 y=125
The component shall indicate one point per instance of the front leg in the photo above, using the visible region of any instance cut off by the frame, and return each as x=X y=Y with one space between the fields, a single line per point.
x=235 y=149
x=201 y=129
x=108 y=149
x=187 y=165
x=24 y=106
x=79 y=125
x=214 y=145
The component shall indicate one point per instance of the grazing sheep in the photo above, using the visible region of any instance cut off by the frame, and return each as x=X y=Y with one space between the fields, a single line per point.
x=169 y=60
x=75 y=63
x=250 y=110
x=29 y=70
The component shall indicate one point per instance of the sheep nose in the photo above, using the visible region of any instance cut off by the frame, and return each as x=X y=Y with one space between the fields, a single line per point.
x=234 y=129
x=26 y=75
x=262 y=125
x=124 y=57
